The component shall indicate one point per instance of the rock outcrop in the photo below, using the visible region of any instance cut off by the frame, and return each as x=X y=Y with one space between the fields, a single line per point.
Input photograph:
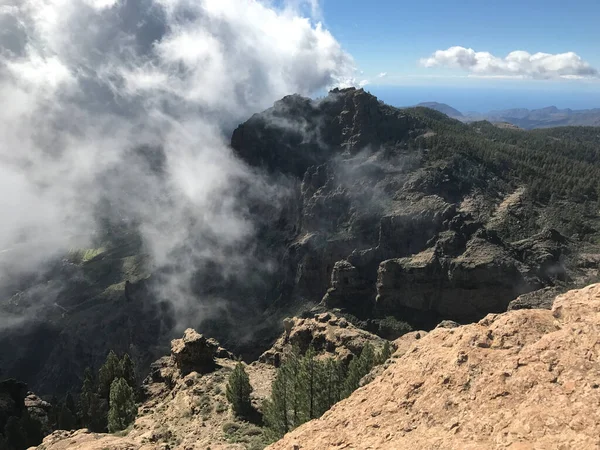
x=24 y=417
x=39 y=410
x=524 y=379
x=185 y=405
x=485 y=277
x=194 y=352
x=540 y=299
x=326 y=333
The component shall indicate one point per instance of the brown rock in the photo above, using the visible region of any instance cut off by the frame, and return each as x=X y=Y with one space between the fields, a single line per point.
x=39 y=410
x=326 y=333
x=194 y=352
x=522 y=379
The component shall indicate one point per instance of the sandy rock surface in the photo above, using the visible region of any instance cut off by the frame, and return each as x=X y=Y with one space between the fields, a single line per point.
x=526 y=379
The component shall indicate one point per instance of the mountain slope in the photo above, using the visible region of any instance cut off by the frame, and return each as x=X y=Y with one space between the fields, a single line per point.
x=400 y=216
x=520 y=380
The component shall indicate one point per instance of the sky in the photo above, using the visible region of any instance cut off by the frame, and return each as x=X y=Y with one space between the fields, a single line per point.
x=396 y=38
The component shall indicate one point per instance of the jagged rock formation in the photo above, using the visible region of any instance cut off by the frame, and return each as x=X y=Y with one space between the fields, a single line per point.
x=39 y=410
x=185 y=405
x=326 y=333
x=524 y=379
x=194 y=352
x=378 y=228
x=484 y=278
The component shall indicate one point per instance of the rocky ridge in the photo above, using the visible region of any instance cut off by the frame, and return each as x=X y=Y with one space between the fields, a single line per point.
x=380 y=229
x=327 y=334
x=524 y=379
x=185 y=406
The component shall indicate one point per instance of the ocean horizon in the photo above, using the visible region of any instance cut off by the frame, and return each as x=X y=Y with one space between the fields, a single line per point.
x=484 y=99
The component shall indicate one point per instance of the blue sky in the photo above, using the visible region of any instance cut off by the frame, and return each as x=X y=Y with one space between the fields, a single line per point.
x=391 y=36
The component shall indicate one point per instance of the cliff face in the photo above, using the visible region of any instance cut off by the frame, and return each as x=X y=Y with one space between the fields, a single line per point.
x=380 y=227
x=525 y=379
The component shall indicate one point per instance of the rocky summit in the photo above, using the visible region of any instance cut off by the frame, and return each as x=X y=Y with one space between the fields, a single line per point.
x=525 y=379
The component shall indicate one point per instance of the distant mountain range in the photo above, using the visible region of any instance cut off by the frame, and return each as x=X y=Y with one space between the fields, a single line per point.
x=547 y=117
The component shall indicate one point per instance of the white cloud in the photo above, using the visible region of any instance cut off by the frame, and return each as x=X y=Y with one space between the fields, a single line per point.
x=87 y=81
x=516 y=64
x=382 y=75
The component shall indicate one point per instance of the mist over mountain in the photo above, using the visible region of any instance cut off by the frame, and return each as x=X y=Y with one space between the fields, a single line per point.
x=117 y=174
x=342 y=202
x=218 y=165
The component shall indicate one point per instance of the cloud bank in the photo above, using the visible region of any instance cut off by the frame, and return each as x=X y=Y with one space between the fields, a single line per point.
x=517 y=64
x=91 y=87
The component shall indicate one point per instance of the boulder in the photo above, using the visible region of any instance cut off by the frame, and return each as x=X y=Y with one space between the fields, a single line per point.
x=194 y=352
x=448 y=324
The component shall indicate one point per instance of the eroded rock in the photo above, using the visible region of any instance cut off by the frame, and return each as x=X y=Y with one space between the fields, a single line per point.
x=194 y=352
x=326 y=333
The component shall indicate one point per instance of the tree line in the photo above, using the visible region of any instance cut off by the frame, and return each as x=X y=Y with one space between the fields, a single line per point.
x=107 y=402
x=304 y=388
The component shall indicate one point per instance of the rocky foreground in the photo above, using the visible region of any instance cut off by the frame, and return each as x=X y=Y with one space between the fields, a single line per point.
x=525 y=379
x=185 y=405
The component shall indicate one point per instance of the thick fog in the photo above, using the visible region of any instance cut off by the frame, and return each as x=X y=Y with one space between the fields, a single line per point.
x=91 y=89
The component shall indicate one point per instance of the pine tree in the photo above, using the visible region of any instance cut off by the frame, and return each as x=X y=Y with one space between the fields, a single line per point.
x=310 y=378
x=86 y=398
x=385 y=354
x=107 y=373
x=238 y=391
x=70 y=404
x=127 y=371
x=292 y=366
x=98 y=421
x=122 y=410
x=358 y=368
x=66 y=418
x=276 y=410
x=332 y=385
